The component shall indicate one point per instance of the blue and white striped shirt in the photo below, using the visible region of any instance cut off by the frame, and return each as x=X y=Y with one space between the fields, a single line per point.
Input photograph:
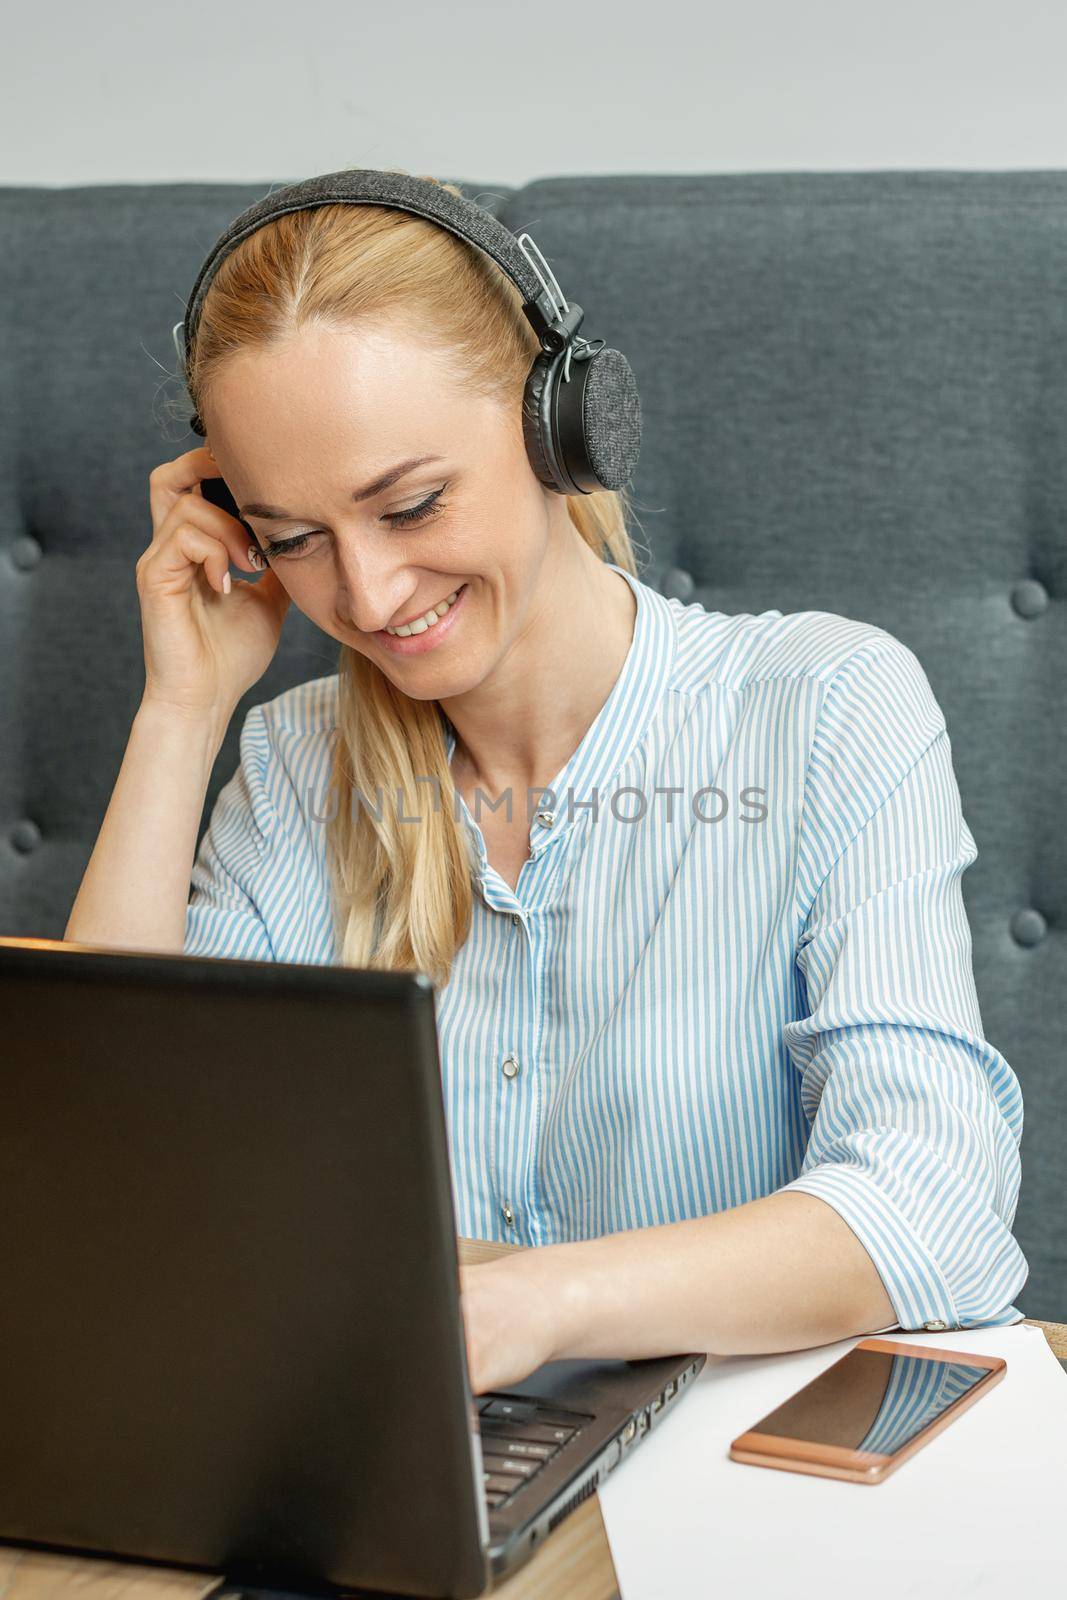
x=749 y=971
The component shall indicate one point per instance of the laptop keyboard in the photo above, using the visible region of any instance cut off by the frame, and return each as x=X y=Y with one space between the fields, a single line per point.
x=518 y=1437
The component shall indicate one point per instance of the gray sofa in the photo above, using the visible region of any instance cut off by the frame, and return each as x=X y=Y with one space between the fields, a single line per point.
x=855 y=400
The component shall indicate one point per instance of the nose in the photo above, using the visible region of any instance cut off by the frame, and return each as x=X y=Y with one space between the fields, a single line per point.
x=373 y=588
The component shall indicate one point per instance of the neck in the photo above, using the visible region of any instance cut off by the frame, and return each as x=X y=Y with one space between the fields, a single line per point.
x=521 y=725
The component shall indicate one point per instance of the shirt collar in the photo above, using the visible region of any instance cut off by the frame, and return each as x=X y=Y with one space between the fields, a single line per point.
x=645 y=677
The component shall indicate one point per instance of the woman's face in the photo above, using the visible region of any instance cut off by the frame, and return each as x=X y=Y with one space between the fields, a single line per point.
x=305 y=434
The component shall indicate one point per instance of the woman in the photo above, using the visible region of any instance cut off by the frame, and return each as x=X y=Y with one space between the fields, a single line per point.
x=688 y=883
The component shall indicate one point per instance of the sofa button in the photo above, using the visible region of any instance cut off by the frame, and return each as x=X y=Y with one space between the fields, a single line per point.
x=25 y=836
x=1029 y=598
x=1028 y=927
x=677 y=584
x=26 y=553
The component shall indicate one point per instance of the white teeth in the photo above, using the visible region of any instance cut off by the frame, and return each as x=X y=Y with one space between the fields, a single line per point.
x=427 y=619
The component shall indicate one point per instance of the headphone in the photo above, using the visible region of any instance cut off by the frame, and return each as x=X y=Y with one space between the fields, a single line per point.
x=581 y=417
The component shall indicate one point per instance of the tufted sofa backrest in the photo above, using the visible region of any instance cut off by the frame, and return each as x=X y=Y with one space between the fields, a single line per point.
x=855 y=398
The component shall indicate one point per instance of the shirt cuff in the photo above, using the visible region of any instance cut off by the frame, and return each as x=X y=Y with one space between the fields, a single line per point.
x=919 y=1293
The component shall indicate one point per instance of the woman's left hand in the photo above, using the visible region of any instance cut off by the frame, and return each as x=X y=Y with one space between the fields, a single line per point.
x=508 y=1316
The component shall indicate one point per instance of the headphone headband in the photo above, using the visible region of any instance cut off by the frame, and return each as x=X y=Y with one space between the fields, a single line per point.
x=561 y=418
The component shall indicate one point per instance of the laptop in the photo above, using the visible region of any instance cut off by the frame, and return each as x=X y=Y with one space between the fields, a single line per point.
x=230 y=1319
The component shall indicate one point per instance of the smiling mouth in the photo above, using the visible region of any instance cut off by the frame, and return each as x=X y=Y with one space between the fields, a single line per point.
x=426 y=619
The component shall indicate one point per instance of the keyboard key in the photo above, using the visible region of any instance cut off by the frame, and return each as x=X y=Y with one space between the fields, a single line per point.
x=561 y=1419
x=534 y=1432
x=511 y=1466
x=511 y=1410
x=521 y=1447
x=517 y=1408
x=497 y=1483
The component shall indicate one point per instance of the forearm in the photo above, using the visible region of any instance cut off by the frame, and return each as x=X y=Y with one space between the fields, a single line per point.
x=782 y=1273
x=135 y=889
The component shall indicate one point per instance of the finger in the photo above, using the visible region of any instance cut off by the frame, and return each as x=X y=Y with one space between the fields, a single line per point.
x=193 y=509
x=170 y=567
x=175 y=477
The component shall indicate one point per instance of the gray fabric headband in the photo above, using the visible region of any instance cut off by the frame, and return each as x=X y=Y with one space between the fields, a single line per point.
x=370 y=187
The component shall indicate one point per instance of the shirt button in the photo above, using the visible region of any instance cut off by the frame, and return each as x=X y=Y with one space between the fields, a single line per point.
x=517 y=920
x=509 y=1215
x=510 y=1068
x=546 y=818
x=935 y=1327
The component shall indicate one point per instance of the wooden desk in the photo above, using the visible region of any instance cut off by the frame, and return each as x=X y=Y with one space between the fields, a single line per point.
x=573 y=1564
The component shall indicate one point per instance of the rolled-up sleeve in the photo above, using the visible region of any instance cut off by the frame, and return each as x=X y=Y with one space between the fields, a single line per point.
x=915 y=1119
x=239 y=860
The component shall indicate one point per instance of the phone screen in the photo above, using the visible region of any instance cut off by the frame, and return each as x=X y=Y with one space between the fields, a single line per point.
x=871 y=1400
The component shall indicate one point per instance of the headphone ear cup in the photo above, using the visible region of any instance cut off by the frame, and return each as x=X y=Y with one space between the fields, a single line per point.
x=598 y=422
x=585 y=434
x=537 y=424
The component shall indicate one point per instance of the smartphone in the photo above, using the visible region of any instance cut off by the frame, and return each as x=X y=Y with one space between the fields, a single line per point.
x=869 y=1411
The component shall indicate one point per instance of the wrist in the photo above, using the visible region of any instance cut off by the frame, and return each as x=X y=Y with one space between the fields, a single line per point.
x=209 y=724
x=557 y=1278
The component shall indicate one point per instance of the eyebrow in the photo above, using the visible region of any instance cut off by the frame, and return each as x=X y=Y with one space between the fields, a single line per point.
x=385 y=480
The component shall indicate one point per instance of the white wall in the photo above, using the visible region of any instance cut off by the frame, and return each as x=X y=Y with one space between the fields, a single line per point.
x=131 y=91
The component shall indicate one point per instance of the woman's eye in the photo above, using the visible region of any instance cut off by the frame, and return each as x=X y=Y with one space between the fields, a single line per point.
x=425 y=507
x=285 y=547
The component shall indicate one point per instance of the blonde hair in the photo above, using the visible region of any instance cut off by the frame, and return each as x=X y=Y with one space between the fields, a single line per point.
x=401 y=894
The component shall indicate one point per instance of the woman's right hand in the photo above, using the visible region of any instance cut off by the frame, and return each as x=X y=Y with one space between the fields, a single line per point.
x=203 y=648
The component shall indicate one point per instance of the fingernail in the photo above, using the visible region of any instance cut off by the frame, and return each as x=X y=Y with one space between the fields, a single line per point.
x=226 y=586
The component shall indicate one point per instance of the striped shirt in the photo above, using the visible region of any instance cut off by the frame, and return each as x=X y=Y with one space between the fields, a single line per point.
x=736 y=961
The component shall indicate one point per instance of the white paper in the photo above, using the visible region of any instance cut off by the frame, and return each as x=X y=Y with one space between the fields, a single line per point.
x=978 y=1511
